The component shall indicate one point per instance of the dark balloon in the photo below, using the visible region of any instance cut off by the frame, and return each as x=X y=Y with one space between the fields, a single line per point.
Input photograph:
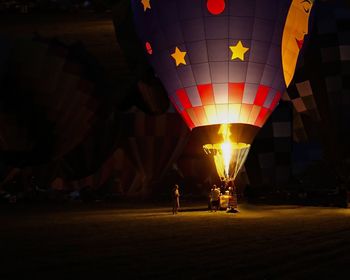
x=320 y=89
x=145 y=90
x=49 y=100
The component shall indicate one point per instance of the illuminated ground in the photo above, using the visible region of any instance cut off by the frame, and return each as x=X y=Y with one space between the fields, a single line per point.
x=261 y=242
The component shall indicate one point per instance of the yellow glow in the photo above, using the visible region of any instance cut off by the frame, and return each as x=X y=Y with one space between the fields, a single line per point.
x=226 y=150
x=296 y=27
x=234 y=111
x=229 y=156
x=222 y=113
x=254 y=114
x=225 y=132
x=210 y=111
x=245 y=113
x=226 y=147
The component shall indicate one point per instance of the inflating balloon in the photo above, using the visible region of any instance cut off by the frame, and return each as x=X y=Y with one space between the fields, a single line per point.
x=224 y=64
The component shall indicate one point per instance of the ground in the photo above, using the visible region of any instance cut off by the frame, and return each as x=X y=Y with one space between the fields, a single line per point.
x=260 y=242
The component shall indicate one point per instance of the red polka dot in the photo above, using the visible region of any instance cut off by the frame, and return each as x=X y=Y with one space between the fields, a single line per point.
x=149 y=48
x=216 y=7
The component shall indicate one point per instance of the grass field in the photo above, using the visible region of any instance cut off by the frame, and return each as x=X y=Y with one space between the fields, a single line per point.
x=260 y=242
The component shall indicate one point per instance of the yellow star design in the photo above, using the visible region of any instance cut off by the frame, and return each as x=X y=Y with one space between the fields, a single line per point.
x=238 y=51
x=146 y=4
x=179 y=56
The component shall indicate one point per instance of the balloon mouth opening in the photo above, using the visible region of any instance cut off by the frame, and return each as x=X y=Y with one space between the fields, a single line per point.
x=229 y=156
x=238 y=133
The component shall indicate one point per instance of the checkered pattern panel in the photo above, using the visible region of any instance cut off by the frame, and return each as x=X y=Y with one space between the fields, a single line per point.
x=207 y=104
x=302 y=97
x=324 y=71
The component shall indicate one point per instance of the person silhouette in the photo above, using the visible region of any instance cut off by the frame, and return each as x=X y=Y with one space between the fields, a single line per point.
x=215 y=198
x=176 y=199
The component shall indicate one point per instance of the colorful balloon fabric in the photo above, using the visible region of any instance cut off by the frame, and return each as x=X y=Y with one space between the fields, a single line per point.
x=225 y=61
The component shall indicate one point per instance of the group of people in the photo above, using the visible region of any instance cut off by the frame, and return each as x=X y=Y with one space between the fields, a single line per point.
x=215 y=198
x=228 y=197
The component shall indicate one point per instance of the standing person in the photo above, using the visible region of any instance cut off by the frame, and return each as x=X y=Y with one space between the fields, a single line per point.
x=210 y=207
x=176 y=199
x=215 y=198
x=230 y=195
x=233 y=204
x=235 y=200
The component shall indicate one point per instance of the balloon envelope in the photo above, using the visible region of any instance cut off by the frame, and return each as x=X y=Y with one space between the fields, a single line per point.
x=223 y=61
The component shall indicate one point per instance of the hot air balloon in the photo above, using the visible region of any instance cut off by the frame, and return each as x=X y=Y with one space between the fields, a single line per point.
x=224 y=64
